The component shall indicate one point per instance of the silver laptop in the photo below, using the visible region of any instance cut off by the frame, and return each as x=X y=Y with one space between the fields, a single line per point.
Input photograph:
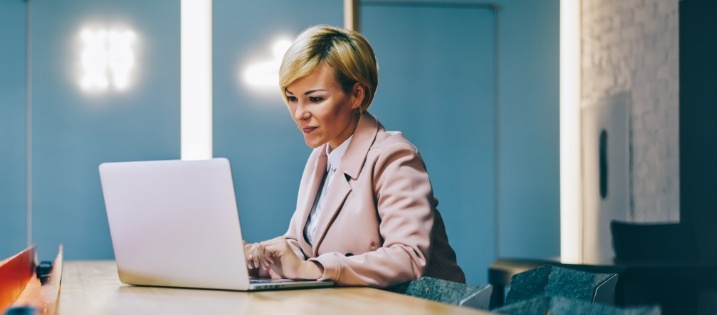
x=175 y=223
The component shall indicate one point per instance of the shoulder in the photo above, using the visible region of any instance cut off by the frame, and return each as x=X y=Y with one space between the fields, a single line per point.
x=391 y=148
x=372 y=142
x=392 y=141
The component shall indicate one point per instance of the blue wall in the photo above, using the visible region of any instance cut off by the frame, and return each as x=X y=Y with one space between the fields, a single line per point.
x=253 y=128
x=12 y=128
x=437 y=87
x=529 y=135
x=73 y=132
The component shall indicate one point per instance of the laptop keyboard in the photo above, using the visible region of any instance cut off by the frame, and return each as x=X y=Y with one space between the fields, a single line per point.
x=270 y=280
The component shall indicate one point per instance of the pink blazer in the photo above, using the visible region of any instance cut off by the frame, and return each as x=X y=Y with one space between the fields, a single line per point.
x=379 y=226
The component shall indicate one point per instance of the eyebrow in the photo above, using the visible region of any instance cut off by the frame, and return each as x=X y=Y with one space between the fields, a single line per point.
x=307 y=92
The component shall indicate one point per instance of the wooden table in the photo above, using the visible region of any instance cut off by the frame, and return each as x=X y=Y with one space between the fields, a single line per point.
x=93 y=287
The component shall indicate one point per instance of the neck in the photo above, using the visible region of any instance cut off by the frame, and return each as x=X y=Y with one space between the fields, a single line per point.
x=349 y=131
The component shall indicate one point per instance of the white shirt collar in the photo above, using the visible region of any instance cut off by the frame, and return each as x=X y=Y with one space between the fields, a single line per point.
x=335 y=155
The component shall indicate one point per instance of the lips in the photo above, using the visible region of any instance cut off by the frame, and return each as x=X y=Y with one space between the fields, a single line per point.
x=308 y=130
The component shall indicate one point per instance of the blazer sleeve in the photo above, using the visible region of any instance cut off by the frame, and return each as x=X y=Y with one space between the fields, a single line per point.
x=403 y=200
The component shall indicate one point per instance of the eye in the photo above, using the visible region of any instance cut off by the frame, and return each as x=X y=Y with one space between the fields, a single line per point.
x=291 y=98
x=315 y=99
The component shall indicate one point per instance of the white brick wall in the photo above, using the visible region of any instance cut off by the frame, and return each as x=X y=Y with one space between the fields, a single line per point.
x=632 y=46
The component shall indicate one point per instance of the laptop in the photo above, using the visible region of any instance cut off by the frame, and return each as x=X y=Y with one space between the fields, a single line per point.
x=175 y=223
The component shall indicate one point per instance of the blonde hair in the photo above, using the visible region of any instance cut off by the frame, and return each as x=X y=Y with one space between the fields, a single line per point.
x=345 y=51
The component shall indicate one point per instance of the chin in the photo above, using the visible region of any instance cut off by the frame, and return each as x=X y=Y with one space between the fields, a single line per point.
x=313 y=145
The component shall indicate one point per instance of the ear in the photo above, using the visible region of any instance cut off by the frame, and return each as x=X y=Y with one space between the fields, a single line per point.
x=358 y=92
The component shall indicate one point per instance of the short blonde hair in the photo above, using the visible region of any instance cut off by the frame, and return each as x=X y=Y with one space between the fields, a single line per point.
x=345 y=51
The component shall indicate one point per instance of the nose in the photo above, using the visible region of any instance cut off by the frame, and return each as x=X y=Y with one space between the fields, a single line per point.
x=300 y=112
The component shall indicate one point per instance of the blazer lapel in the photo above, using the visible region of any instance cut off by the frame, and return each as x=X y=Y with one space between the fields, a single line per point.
x=349 y=168
x=338 y=190
x=364 y=137
x=314 y=185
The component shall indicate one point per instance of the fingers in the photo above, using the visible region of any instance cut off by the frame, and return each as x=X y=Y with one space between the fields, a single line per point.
x=254 y=255
x=274 y=258
x=249 y=253
x=288 y=264
x=258 y=256
x=265 y=256
x=258 y=261
x=273 y=275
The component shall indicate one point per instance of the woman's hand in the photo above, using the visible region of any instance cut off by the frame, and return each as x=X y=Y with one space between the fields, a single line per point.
x=277 y=256
x=255 y=272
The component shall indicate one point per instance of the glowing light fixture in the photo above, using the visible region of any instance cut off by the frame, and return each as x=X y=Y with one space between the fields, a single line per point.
x=107 y=59
x=571 y=209
x=196 y=84
x=266 y=74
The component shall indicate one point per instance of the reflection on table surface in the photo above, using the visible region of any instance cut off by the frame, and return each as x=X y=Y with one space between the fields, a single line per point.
x=93 y=287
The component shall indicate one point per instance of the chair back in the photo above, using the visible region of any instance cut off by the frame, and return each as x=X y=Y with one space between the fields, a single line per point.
x=448 y=292
x=558 y=305
x=636 y=243
x=558 y=281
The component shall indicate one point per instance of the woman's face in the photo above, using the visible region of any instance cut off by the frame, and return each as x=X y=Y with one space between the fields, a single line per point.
x=321 y=109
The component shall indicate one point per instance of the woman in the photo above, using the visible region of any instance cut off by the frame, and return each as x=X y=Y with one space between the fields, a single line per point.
x=365 y=213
